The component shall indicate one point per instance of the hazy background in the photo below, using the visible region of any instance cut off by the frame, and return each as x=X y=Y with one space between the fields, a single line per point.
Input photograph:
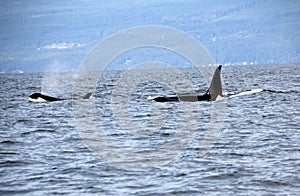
x=56 y=35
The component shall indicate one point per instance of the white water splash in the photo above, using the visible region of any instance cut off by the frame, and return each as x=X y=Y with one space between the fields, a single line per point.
x=250 y=92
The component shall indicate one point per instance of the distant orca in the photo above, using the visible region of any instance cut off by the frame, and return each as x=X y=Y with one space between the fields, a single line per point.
x=39 y=97
x=213 y=92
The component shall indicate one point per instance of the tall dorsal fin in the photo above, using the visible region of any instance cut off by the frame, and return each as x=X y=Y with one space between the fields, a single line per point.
x=215 y=88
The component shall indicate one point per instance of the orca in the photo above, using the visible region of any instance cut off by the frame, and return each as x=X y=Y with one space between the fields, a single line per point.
x=213 y=93
x=39 y=97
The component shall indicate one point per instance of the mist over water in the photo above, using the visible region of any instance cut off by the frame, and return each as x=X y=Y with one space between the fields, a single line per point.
x=257 y=152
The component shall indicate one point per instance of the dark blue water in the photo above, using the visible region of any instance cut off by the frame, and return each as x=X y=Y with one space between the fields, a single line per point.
x=43 y=150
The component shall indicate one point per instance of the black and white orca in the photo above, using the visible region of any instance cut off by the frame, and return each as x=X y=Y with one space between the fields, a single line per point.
x=39 y=97
x=213 y=93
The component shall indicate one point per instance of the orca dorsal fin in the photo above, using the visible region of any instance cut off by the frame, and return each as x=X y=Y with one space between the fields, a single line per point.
x=215 y=88
x=87 y=96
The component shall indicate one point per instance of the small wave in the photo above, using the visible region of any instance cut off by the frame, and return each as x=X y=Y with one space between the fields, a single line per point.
x=281 y=91
x=271 y=182
x=43 y=131
x=7 y=142
x=10 y=163
x=229 y=174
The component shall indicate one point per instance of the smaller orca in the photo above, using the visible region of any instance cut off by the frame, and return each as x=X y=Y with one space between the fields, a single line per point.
x=39 y=97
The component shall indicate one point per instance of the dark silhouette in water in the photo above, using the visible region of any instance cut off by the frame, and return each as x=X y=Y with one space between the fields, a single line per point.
x=39 y=97
x=211 y=94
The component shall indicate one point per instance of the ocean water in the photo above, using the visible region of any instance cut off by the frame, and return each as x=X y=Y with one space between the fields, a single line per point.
x=117 y=143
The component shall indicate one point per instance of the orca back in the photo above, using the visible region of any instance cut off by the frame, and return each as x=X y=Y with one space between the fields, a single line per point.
x=38 y=97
